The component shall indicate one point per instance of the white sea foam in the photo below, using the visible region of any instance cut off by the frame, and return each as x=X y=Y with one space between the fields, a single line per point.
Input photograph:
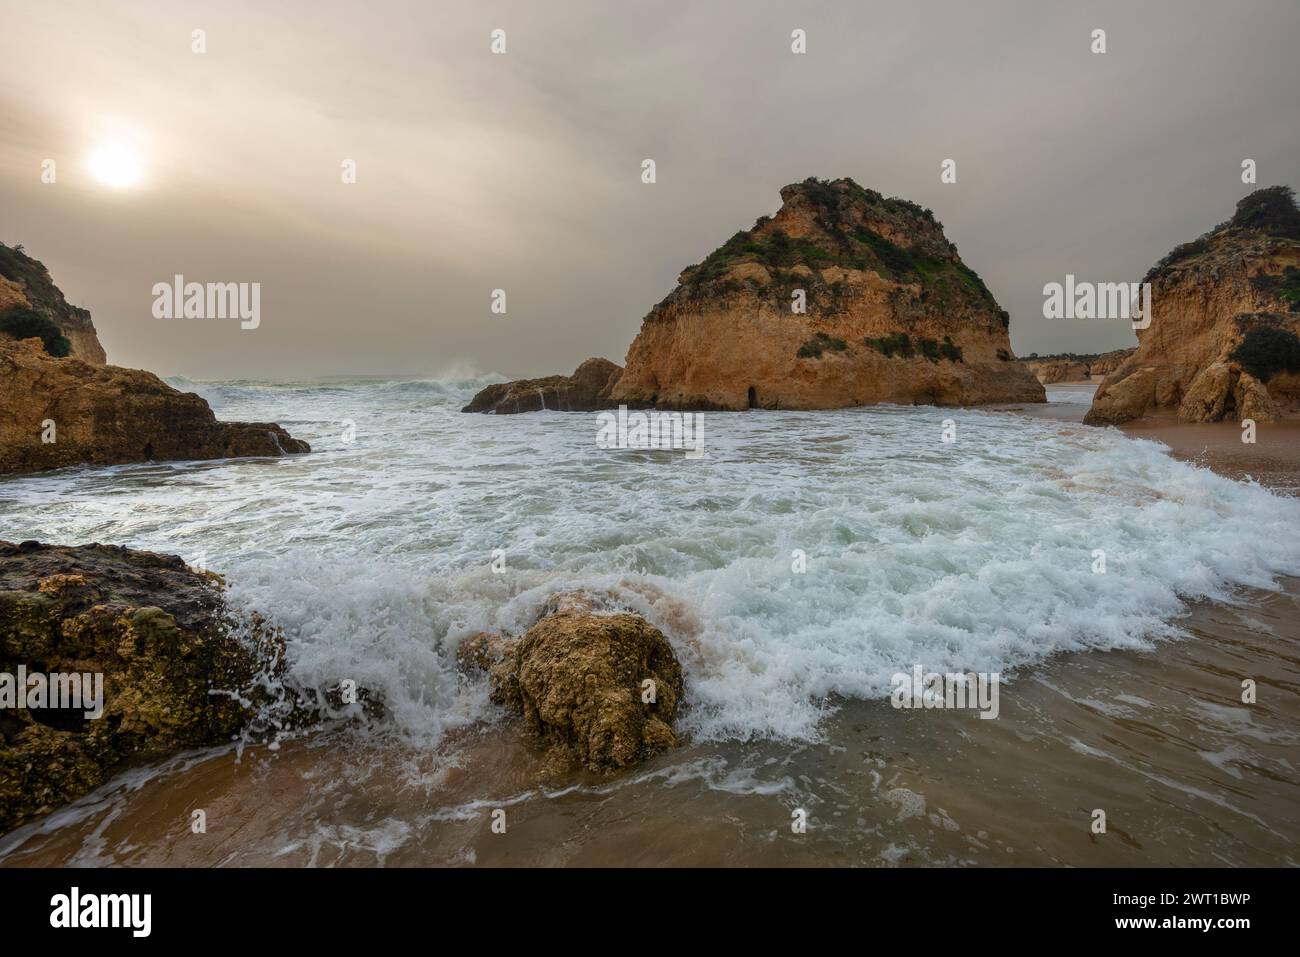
x=374 y=552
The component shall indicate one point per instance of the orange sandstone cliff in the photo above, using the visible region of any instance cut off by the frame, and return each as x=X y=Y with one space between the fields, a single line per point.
x=26 y=287
x=892 y=315
x=1225 y=313
x=842 y=298
x=60 y=404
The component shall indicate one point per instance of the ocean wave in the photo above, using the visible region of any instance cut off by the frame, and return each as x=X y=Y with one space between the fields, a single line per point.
x=374 y=552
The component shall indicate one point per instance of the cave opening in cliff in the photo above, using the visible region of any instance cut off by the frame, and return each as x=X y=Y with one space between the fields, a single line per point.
x=753 y=397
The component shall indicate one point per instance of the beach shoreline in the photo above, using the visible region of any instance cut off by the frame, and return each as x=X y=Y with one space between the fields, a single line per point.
x=1272 y=460
x=1157 y=737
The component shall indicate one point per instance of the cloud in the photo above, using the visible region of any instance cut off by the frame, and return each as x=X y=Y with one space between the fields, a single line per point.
x=521 y=171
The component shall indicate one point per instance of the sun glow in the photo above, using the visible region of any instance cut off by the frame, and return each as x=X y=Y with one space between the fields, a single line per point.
x=115 y=165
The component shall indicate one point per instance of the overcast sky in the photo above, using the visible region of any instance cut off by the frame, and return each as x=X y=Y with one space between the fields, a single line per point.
x=478 y=171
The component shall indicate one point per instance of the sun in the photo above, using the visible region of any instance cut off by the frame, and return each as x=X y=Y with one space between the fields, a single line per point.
x=113 y=164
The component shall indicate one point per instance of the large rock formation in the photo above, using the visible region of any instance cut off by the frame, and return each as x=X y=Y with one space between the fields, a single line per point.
x=61 y=405
x=25 y=284
x=585 y=391
x=56 y=412
x=157 y=633
x=597 y=689
x=1225 y=313
x=892 y=315
x=1068 y=367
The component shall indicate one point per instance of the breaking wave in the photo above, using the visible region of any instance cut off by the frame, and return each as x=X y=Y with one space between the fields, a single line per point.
x=374 y=552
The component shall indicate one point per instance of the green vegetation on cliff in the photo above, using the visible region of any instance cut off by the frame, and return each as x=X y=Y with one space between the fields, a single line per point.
x=1270 y=212
x=23 y=323
x=897 y=343
x=1267 y=350
x=900 y=344
x=851 y=244
x=819 y=343
x=1285 y=286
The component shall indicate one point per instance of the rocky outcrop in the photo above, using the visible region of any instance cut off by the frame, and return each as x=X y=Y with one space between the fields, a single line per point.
x=163 y=665
x=842 y=298
x=1106 y=363
x=155 y=631
x=1052 y=370
x=585 y=391
x=1069 y=367
x=891 y=314
x=1225 y=317
x=57 y=412
x=597 y=689
x=25 y=283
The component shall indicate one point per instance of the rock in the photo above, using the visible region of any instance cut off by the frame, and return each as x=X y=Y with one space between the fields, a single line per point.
x=587 y=390
x=1211 y=300
x=26 y=283
x=1253 y=400
x=892 y=315
x=1059 y=370
x=178 y=669
x=106 y=415
x=156 y=631
x=1208 y=394
x=577 y=680
x=480 y=651
x=1128 y=398
x=1108 y=362
x=1074 y=368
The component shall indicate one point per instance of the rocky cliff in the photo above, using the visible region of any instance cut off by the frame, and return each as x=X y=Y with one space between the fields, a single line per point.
x=61 y=405
x=1225 y=313
x=56 y=412
x=25 y=284
x=1069 y=367
x=842 y=298
x=890 y=314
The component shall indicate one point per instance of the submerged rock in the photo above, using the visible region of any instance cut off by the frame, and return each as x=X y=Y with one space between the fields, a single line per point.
x=1224 y=338
x=175 y=669
x=56 y=412
x=587 y=390
x=598 y=690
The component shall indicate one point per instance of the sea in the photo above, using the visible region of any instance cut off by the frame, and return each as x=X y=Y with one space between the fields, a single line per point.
x=797 y=566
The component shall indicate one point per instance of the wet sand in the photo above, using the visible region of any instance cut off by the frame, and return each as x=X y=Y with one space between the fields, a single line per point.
x=1160 y=740
x=1272 y=460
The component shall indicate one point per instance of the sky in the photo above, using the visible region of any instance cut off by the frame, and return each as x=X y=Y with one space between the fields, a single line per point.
x=521 y=171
